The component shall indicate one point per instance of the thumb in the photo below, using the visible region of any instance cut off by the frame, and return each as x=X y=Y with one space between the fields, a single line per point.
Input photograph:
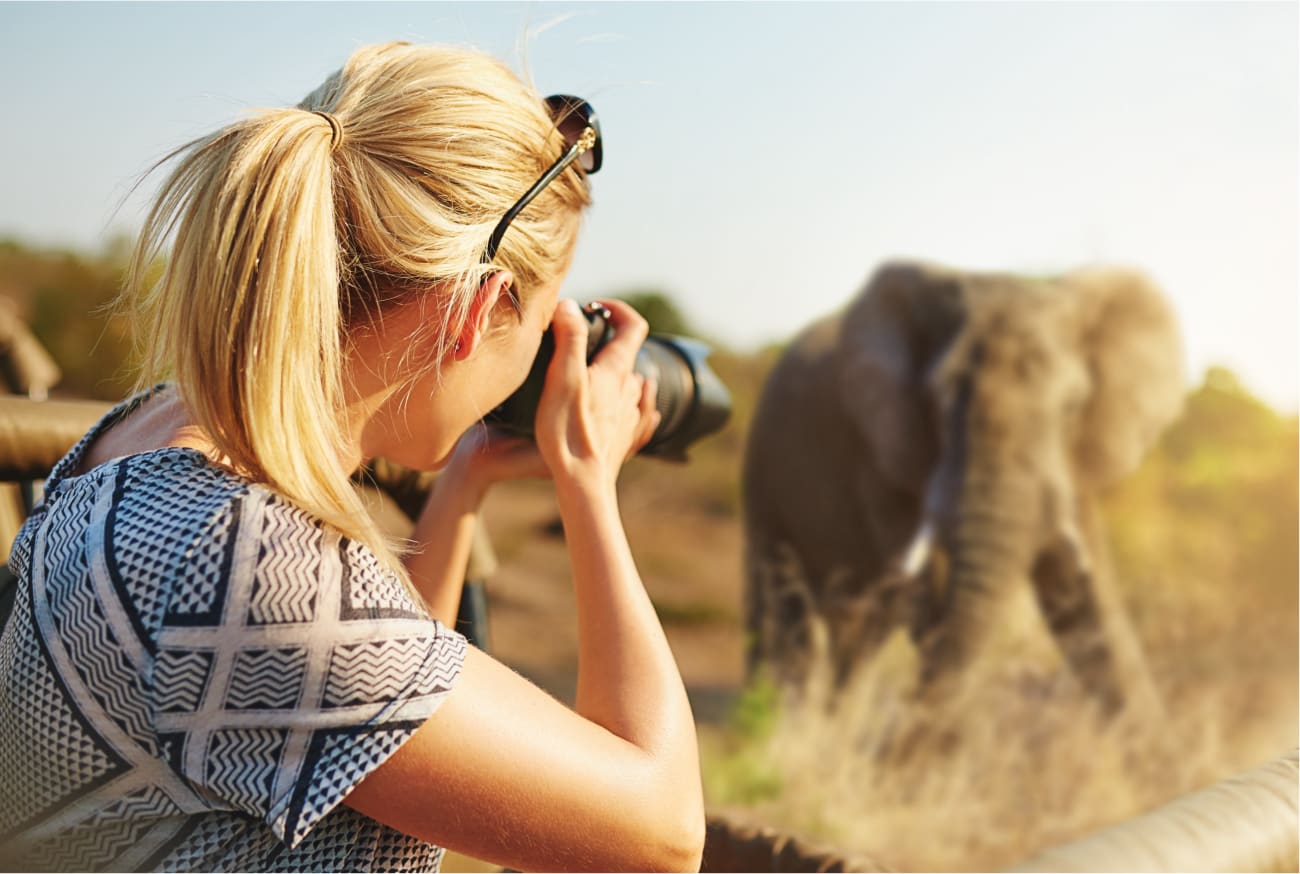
x=570 y=331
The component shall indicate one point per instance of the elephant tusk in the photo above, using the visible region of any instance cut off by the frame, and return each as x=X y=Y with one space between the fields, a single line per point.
x=918 y=551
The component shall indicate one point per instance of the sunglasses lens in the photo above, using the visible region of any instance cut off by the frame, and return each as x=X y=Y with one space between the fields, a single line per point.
x=573 y=116
x=571 y=126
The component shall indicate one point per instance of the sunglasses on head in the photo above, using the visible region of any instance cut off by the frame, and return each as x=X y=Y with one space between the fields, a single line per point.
x=577 y=123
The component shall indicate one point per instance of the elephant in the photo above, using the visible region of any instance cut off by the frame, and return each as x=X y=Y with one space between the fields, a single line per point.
x=943 y=439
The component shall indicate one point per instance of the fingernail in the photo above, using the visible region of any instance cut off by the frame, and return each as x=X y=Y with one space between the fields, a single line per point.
x=570 y=306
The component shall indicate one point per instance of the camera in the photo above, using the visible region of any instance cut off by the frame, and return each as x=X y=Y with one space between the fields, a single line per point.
x=691 y=398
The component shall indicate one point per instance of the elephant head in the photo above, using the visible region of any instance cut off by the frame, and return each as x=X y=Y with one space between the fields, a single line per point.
x=1003 y=403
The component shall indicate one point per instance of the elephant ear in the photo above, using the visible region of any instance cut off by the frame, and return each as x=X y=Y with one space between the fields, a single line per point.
x=1133 y=350
x=890 y=336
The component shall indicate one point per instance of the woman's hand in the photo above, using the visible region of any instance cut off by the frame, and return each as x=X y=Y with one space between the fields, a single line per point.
x=486 y=455
x=445 y=528
x=593 y=418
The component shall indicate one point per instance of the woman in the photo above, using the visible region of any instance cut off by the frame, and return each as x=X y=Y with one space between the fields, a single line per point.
x=217 y=661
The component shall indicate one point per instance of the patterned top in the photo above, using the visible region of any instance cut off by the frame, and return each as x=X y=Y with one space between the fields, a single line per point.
x=196 y=673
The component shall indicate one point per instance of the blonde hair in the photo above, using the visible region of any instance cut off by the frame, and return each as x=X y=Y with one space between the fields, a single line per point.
x=292 y=228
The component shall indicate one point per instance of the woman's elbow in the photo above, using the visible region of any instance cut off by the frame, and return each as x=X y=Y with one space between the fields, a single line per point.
x=680 y=842
x=691 y=850
x=679 y=847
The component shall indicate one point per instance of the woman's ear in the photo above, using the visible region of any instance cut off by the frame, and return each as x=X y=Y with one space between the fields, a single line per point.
x=494 y=291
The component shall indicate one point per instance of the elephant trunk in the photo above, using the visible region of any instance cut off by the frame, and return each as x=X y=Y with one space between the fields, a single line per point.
x=990 y=538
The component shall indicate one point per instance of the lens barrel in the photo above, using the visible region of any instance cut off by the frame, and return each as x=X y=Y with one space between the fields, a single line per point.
x=691 y=399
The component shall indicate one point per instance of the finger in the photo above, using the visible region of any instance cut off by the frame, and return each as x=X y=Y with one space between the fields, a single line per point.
x=646 y=428
x=649 y=394
x=498 y=436
x=633 y=391
x=630 y=331
x=527 y=462
x=512 y=456
x=650 y=415
x=569 y=328
x=506 y=443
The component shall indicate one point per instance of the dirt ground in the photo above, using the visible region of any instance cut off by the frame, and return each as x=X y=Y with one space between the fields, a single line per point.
x=690 y=563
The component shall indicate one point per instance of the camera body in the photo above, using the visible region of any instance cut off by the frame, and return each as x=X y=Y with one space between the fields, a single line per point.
x=691 y=399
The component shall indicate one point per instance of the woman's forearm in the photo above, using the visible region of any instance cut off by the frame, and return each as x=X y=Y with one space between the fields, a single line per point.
x=444 y=535
x=628 y=680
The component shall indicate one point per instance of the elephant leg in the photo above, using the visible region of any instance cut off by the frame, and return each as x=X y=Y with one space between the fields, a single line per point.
x=861 y=613
x=926 y=598
x=1091 y=627
x=1065 y=596
x=779 y=607
x=1131 y=666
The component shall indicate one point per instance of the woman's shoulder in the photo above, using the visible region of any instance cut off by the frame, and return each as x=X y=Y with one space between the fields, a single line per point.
x=222 y=529
x=184 y=539
x=164 y=500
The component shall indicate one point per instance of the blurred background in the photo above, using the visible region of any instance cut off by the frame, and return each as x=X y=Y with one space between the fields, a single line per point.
x=761 y=160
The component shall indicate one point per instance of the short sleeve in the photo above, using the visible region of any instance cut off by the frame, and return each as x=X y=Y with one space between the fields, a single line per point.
x=290 y=665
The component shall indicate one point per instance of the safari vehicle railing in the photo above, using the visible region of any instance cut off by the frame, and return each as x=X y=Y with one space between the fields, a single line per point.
x=1244 y=823
x=1247 y=822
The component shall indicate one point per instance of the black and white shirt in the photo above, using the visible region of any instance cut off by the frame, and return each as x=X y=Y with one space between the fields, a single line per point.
x=195 y=674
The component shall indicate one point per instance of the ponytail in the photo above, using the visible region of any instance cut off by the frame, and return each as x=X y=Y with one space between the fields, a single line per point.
x=246 y=316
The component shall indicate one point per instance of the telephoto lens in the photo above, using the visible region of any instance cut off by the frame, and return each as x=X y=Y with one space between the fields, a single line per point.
x=691 y=398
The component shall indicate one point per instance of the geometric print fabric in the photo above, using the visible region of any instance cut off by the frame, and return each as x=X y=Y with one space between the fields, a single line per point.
x=196 y=672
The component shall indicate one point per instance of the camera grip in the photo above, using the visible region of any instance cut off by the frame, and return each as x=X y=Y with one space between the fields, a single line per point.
x=517 y=413
x=691 y=398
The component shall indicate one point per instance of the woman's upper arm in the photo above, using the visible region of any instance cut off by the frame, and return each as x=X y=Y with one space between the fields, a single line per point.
x=505 y=773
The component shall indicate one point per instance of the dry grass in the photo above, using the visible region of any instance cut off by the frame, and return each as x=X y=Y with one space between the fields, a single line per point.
x=1014 y=764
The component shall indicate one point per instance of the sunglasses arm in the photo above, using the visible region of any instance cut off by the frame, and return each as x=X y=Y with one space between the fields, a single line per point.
x=494 y=242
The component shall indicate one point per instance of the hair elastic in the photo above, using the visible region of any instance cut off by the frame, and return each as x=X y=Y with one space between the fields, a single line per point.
x=336 y=129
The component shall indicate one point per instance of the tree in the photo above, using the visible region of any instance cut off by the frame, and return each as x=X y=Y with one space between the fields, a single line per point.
x=66 y=299
x=659 y=310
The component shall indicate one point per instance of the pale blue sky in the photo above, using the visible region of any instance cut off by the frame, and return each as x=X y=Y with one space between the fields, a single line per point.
x=762 y=159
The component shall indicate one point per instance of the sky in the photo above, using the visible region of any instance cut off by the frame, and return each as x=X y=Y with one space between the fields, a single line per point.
x=762 y=159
